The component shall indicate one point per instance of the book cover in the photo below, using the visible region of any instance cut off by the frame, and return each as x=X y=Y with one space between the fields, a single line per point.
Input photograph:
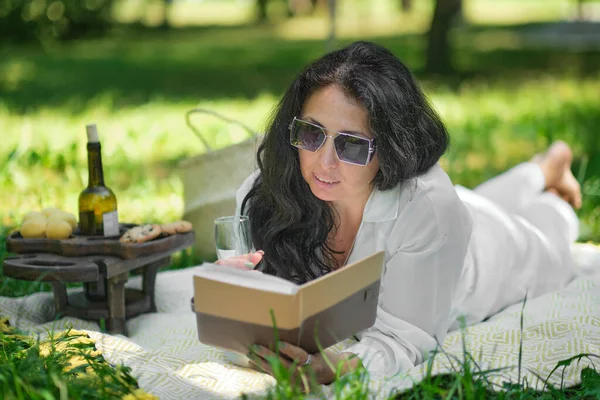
x=235 y=309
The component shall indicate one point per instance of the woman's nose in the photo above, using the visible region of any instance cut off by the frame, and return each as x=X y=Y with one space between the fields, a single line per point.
x=328 y=158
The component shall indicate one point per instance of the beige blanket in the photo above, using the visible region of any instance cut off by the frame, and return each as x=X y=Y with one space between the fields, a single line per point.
x=168 y=360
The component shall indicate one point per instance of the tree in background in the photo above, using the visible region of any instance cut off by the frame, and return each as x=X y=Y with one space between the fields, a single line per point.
x=166 y=6
x=261 y=10
x=439 y=51
x=332 y=8
x=293 y=7
x=581 y=13
x=405 y=5
x=27 y=20
x=262 y=14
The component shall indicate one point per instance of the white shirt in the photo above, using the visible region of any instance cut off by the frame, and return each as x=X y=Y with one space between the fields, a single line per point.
x=433 y=270
x=424 y=229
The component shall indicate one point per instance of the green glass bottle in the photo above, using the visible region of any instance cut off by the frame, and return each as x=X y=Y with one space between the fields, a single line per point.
x=98 y=215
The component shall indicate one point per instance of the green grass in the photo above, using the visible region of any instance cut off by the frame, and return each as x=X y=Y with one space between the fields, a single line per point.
x=466 y=381
x=67 y=364
x=64 y=365
x=504 y=106
x=507 y=101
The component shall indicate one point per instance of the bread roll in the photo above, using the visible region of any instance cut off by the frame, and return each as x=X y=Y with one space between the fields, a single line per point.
x=57 y=228
x=50 y=211
x=34 y=228
x=32 y=215
x=68 y=217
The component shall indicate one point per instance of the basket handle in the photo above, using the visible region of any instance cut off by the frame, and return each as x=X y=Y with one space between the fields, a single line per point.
x=200 y=110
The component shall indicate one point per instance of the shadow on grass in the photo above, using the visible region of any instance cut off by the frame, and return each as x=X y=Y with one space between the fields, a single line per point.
x=134 y=66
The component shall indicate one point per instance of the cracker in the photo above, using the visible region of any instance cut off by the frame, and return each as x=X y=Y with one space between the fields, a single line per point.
x=172 y=228
x=141 y=233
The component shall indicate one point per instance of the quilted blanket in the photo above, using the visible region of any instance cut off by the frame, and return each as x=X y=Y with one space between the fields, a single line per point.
x=166 y=357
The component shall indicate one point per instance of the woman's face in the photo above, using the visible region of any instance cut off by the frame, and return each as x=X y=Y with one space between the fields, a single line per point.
x=329 y=178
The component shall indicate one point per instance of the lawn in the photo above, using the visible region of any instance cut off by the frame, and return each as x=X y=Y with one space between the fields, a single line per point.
x=505 y=105
x=509 y=99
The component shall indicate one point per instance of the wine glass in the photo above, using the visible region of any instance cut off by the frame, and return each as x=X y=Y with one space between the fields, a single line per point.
x=232 y=236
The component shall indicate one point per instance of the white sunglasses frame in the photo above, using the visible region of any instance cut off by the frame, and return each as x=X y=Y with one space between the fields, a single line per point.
x=372 y=146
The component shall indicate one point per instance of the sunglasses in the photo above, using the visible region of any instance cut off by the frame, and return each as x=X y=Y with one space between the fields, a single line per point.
x=349 y=148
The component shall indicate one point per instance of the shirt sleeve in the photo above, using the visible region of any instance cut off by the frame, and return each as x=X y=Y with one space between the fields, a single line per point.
x=419 y=284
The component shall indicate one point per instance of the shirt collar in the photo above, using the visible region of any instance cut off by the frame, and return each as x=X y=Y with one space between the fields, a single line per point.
x=382 y=205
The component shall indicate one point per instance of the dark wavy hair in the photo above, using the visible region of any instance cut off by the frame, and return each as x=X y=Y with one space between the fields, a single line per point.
x=288 y=222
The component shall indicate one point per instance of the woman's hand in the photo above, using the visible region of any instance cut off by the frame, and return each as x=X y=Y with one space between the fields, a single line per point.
x=244 y=262
x=319 y=363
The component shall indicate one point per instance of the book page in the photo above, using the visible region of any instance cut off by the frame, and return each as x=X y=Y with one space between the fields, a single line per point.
x=250 y=279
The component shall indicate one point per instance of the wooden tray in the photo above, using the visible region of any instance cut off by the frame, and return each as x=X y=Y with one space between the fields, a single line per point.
x=79 y=245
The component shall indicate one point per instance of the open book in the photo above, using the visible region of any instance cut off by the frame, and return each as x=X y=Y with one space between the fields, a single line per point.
x=235 y=309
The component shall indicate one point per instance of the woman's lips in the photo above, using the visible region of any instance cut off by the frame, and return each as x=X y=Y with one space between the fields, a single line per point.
x=325 y=183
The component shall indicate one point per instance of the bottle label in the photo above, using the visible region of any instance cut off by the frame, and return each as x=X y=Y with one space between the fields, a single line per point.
x=110 y=221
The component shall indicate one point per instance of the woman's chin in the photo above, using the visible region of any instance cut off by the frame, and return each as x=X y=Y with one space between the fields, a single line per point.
x=324 y=195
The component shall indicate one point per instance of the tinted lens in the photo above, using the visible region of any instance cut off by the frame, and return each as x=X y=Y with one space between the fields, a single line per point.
x=306 y=136
x=352 y=149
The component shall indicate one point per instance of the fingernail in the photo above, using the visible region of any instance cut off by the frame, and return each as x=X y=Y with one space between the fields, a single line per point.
x=249 y=265
x=261 y=252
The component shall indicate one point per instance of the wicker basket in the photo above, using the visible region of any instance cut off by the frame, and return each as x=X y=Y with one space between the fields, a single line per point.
x=210 y=182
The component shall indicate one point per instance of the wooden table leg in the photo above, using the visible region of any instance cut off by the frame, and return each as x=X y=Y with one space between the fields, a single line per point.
x=116 y=304
x=61 y=300
x=149 y=279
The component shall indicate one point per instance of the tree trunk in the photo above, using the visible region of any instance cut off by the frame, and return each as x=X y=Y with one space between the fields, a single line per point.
x=580 y=11
x=291 y=7
x=331 y=39
x=406 y=5
x=261 y=10
x=166 y=5
x=439 y=52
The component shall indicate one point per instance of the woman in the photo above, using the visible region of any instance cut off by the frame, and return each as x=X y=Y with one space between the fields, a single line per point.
x=349 y=166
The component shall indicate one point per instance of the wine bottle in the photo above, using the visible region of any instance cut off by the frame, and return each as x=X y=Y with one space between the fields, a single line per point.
x=98 y=215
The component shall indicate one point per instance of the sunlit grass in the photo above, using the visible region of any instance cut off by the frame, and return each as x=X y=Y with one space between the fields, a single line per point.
x=184 y=13
x=137 y=86
x=509 y=12
x=493 y=125
x=353 y=17
x=46 y=155
x=63 y=365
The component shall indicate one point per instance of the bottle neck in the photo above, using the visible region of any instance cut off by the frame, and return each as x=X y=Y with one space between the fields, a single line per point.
x=96 y=176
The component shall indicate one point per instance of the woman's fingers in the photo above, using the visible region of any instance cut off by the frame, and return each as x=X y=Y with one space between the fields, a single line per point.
x=288 y=353
x=245 y=261
x=261 y=363
x=235 y=263
x=256 y=257
x=260 y=354
x=295 y=353
x=289 y=356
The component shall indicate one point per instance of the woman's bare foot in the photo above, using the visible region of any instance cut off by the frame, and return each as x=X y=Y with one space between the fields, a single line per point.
x=556 y=167
x=570 y=189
